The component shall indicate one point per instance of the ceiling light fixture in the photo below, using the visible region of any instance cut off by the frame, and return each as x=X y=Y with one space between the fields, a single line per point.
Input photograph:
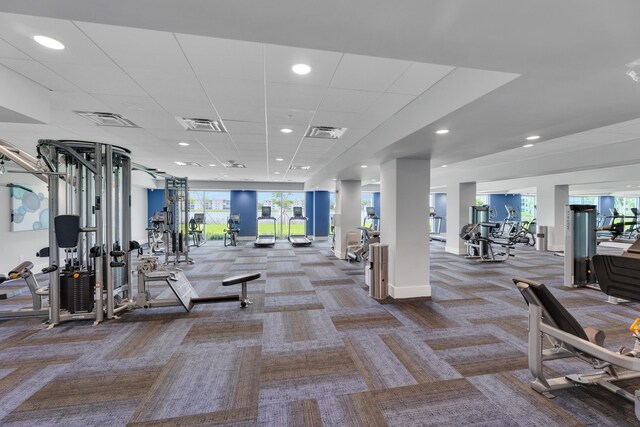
x=301 y=69
x=444 y=166
x=48 y=42
x=533 y=137
x=286 y=130
x=279 y=159
x=527 y=145
x=212 y=164
x=277 y=173
x=442 y=131
x=180 y=163
x=363 y=166
x=184 y=144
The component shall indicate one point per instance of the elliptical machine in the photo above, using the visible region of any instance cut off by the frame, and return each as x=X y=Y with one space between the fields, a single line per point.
x=231 y=232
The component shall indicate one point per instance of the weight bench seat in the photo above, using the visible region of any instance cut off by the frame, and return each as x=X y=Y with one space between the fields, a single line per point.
x=242 y=279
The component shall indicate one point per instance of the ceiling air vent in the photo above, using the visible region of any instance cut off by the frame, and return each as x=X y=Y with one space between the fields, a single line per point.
x=234 y=165
x=202 y=125
x=325 y=132
x=107 y=119
x=304 y=168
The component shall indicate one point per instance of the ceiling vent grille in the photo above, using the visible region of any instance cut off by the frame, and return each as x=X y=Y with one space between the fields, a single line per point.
x=107 y=119
x=234 y=165
x=324 y=132
x=295 y=167
x=202 y=125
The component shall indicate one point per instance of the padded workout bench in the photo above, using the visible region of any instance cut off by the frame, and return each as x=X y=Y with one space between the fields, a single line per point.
x=243 y=279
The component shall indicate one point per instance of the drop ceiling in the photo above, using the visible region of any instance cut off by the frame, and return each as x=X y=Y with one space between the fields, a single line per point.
x=493 y=72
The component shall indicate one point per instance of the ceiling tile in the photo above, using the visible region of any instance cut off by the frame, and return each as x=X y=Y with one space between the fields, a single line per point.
x=9 y=52
x=213 y=57
x=419 y=77
x=293 y=96
x=388 y=104
x=39 y=74
x=92 y=78
x=288 y=117
x=368 y=73
x=280 y=59
x=19 y=30
x=138 y=48
x=234 y=127
x=240 y=112
x=236 y=92
x=347 y=101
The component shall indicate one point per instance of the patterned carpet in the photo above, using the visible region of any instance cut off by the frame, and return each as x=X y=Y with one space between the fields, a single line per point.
x=313 y=349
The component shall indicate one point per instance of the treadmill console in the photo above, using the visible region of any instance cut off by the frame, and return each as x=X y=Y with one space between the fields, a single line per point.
x=370 y=211
x=266 y=212
x=235 y=218
x=198 y=218
x=297 y=212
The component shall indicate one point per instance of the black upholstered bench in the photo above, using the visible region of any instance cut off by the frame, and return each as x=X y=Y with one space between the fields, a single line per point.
x=243 y=279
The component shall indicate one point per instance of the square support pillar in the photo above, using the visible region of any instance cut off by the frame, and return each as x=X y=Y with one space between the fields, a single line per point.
x=404 y=193
x=321 y=215
x=460 y=197
x=347 y=216
x=550 y=201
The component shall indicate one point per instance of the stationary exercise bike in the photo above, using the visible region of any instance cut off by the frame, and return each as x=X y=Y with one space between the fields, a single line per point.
x=231 y=232
x=155 y=233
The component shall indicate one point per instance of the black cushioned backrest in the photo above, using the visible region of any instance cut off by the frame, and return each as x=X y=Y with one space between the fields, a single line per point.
x=67 y=230
x=559 y=316
x=618 y=276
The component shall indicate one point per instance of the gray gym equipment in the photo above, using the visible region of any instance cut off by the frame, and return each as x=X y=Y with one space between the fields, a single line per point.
x=25 y=271
x=477 y=236
x=265 y=239
x=580 y=245
x=298 y=239
x=176 y=221
x=231 y=232
x=549 y=319
x=436 y=225
x=371 y=216
x=198 y=229
x=149 y=271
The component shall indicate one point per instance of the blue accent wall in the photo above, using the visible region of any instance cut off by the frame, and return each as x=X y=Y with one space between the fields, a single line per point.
x=376 y=203
x=245 y=203
x=440 y=207
x=604 y=205
x=497 y=202
x=321 y=213
x=309 y=212
x=155 y=202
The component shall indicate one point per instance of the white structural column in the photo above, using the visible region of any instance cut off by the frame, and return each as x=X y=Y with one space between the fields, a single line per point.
x=404 y=226
x=347 y=216
x=460 y=197
x=550 y=202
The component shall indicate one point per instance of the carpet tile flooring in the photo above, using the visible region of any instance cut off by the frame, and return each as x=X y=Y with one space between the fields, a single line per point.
x=313 y=349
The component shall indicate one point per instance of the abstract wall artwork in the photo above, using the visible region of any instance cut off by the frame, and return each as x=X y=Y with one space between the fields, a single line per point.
x=29 y=207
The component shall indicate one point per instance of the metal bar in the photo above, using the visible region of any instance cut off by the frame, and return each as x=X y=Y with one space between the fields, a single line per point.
x=54 y=252
x=99 y=235
x=126 y=222
x=70 y=151
x=23 y=160
x=108 y=210
x=81 y=210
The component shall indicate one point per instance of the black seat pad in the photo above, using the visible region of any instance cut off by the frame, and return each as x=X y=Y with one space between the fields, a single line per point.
x=2 y=278
x=234 y=280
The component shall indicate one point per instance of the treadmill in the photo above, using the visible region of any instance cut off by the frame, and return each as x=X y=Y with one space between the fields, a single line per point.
x=298 y=239
x=375 y=219
x=436 y=221
x=266 y=239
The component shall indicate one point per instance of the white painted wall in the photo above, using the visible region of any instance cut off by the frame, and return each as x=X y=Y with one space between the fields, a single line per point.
x=404 y=185
x=19 y=245
x=347 y=216
x=550 y=202
x=460 y=197
x=139 y=216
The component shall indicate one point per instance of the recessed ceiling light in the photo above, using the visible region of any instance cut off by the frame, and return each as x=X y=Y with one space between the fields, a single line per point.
x=279 y=159
x=363 y=166
x=184 y=144
x=442 y=131
x=49 y=42
x=277 y=173
x=286 y=130
x=301 y=69
x=528 y=145
x=334 y=179
x=444 y=166
x=212 y=164
x=180 y=163
x=533 y=137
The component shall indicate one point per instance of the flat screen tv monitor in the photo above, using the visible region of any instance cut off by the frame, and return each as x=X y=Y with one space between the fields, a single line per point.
x=297 y=211
x=266 y=211
x=370 y=211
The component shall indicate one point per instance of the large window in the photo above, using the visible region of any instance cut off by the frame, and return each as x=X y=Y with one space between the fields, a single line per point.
x=366 y=200
x=482 y=199
x=215 y=206
x=282 y=205
x=583 y=200
x=624 y=205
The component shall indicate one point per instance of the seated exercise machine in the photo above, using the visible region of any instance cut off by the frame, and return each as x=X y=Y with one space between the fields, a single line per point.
x=549 y=319
x=298 y=239
x=25 y=271
x=198 y=229
x=360 y=251
x=155 y=233
x=480 y=245
x=232 y=230
x=619 y=275
x=176 y=221
x=266 y=239
x=150 y=270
